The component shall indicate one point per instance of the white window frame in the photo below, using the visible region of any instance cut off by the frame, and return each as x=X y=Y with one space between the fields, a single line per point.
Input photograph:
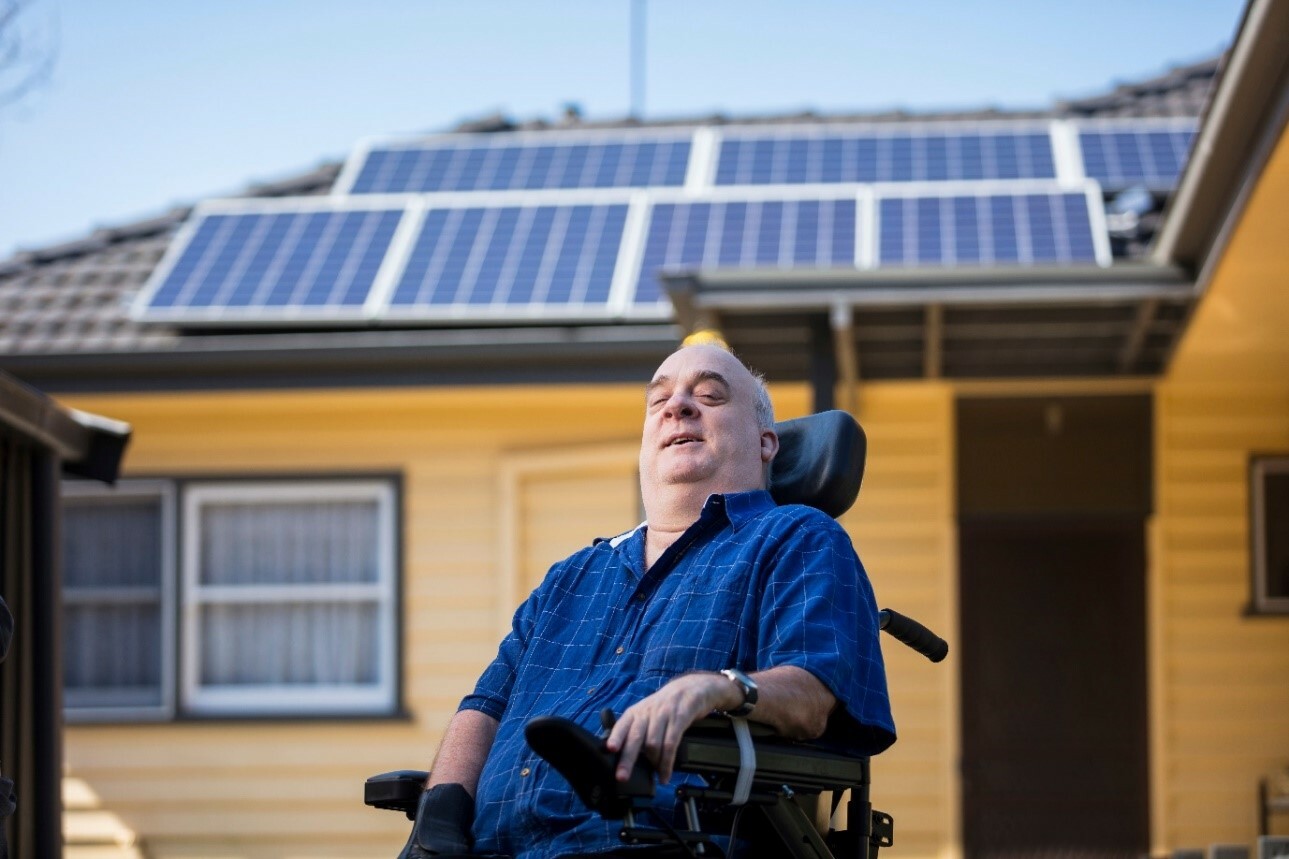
x=1260 y=468
x=164 y=491
x=374 y=699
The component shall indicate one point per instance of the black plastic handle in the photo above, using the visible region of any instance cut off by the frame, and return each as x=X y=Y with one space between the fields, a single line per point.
x=914 y=634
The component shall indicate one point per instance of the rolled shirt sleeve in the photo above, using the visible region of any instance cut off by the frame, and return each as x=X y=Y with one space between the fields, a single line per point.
x=818 y=613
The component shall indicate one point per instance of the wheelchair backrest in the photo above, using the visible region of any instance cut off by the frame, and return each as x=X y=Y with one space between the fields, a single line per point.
x=820 y=462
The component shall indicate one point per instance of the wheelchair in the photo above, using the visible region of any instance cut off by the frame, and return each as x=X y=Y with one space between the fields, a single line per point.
x=753 y=783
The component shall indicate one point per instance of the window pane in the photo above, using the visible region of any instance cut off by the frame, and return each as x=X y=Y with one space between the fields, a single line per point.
x=113 y=639
x=307 y=543
x=272 y=645
x=111 y=542
x=1276 y=527
x=111 y=655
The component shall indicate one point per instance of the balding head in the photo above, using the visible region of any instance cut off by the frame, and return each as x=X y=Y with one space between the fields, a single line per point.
x=709 y=428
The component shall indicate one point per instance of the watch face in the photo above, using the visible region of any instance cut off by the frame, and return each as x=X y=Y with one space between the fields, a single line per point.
x=748 y=687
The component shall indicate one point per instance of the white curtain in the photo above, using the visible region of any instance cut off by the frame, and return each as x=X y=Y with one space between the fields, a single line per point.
x=112 y=644
x=279 y=543
x=311 y=639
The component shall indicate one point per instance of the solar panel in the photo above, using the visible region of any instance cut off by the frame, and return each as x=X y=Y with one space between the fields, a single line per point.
x=507 y=164
x=511 y=260
x=985 y=229
x=272 y=264
x=765 y=233
x=1121 y=155
x=887 y=155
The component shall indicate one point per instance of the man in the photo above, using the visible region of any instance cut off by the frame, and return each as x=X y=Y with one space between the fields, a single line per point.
x=718 y=578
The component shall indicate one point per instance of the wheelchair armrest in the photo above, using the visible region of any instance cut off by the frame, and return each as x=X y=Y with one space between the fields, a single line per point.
x=399 y=790
x=709 y=747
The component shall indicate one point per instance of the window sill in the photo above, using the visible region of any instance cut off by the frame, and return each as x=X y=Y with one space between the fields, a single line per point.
x=398 y=716
x=1255 y=610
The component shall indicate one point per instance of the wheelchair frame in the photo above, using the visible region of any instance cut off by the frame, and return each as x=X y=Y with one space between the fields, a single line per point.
x=709 y=749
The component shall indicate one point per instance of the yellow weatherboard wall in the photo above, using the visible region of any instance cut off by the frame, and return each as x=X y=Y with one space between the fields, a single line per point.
x=904 y=528
x=1220 y=679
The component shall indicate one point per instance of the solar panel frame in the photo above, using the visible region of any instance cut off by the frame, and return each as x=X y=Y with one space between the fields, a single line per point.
x=634 y=257
x=920 y=136
x=452 y=209
x=559 y=143
x=1105 y=166
x=1088 y=189
x=272 y=261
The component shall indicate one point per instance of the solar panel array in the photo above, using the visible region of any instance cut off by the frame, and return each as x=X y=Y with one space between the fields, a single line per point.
x=1122 y=157
x=512 y=257
x=887 y=156
x=578 y=225
x=790 y=233
x=986 y=229
x=322 y=261
x=501 y=166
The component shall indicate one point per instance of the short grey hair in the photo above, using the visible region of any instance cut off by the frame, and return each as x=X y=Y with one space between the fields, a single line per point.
x=764 y=408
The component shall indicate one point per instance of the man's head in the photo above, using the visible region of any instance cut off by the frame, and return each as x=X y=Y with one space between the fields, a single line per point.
x=709 y=426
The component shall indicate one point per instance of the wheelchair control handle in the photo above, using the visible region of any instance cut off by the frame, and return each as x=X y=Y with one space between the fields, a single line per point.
x=914 y=634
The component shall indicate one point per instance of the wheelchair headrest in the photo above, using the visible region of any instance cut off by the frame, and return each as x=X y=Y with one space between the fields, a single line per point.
x=820 y=462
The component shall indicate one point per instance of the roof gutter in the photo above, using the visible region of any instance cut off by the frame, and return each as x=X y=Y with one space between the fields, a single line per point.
x=88 y=445
x=698 y=295
x=1244 y=122
x=361 y=359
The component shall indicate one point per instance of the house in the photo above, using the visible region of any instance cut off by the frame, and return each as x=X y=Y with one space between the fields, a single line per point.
x=372 y=403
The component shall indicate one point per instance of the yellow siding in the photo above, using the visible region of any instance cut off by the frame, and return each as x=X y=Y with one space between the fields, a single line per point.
x=1220 y=686
x=903 y=526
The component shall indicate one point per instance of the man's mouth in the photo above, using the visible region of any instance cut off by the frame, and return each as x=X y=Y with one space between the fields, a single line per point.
x=682 y=439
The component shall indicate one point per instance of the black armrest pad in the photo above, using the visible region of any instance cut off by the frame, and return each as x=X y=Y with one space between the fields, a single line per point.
x=709 y=747
x=397 y=791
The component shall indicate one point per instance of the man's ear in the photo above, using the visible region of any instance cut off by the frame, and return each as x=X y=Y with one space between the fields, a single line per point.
x=769 y=445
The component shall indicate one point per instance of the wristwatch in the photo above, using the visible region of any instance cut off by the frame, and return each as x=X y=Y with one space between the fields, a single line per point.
x=747 y=686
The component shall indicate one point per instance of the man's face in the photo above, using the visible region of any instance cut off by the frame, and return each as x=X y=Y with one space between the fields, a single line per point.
x=701 y=424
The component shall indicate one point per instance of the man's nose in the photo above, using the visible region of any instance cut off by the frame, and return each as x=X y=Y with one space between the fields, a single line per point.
x=680 y=404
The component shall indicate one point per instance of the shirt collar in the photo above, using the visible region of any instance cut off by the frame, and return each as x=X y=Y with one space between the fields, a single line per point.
x=742 y=506
x=736 y=507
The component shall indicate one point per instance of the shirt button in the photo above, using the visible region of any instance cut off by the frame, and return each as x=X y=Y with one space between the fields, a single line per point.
x=620 y=651
x=524 y=772
x=591 y=691
x=640 y=597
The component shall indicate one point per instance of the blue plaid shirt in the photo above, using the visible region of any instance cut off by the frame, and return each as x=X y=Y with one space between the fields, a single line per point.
x=749 y=585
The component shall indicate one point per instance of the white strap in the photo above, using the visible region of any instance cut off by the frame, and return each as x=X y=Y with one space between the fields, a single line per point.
x=746 y=761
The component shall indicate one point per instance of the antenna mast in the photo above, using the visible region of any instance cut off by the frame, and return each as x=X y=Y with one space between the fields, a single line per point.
x=637 y=58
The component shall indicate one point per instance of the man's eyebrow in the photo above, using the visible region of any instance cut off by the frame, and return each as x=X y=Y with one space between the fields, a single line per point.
x=700 y=376
x=711 y=376
x=656 y=383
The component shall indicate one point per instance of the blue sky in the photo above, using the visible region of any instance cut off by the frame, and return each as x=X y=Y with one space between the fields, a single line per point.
x=154 y=104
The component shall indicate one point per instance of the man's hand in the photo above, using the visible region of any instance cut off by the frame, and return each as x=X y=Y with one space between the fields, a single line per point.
x=655 y=724
x=790 y=699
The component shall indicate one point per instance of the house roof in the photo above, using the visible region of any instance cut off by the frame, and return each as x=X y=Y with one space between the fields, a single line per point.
x=64 y=321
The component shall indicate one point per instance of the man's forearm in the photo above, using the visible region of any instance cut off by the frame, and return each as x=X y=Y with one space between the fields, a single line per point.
x=464 y=750
x=792 y=701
